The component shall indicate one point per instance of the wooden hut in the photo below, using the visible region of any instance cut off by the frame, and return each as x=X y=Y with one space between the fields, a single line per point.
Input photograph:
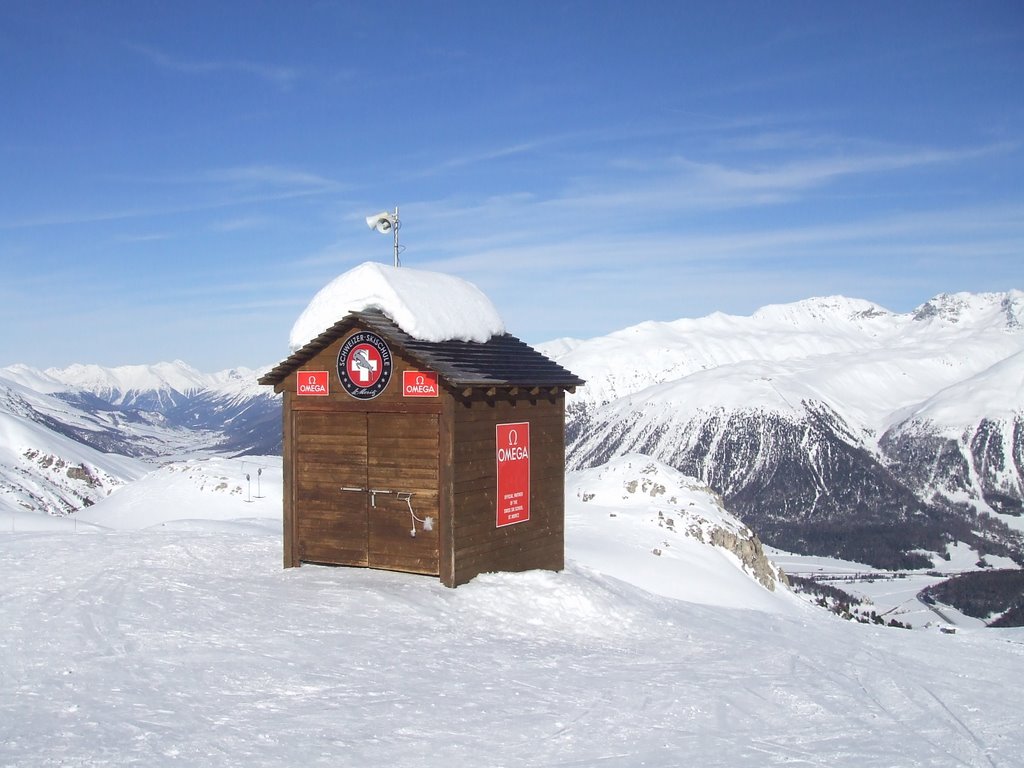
x=443 y=458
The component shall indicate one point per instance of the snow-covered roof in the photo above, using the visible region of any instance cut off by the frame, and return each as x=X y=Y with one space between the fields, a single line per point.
x=428 y=306
x=502 y=360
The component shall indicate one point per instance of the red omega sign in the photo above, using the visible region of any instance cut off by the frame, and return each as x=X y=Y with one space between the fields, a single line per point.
x=512 y=453
x=312 y=383
x=419 y=384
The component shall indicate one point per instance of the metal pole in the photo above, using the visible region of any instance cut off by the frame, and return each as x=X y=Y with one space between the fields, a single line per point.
x=396 y=237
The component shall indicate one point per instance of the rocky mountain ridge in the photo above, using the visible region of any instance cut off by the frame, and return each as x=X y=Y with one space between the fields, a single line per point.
x=830 y=426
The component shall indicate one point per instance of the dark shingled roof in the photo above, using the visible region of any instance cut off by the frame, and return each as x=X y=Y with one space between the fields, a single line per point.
x=501 y=361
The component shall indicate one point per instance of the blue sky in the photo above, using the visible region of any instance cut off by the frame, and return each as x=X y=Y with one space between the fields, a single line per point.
x=179 y=179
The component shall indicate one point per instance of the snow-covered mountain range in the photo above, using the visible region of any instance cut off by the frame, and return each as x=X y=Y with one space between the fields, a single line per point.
x=830 y=425
x=69 y=436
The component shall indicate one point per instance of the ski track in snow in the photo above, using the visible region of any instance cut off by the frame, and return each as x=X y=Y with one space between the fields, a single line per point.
x=167 y=647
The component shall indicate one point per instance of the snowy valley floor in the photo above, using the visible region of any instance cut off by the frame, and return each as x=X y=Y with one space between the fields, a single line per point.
x=189 y=645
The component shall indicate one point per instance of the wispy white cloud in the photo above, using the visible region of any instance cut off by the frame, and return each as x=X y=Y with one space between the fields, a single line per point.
x=224 y=188
x=814 y=172
x=142 y=238
x=966 y=229
x=256 y=175
x=483 y=156
x=280 y=76
x=265 y=175
x=680 y=184
x=663 y=210
x=241 y=224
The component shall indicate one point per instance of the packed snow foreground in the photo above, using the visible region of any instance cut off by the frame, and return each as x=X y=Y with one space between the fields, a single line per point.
x=160 y=629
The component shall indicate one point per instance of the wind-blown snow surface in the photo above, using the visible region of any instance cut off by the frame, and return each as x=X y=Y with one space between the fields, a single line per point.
x=426 y=305
x=188 y=644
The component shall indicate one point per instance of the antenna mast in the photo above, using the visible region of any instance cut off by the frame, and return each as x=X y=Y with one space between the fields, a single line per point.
x=396 y=228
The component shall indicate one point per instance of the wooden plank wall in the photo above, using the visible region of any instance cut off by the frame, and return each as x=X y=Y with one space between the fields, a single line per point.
x=291 y=543
x=478 y=545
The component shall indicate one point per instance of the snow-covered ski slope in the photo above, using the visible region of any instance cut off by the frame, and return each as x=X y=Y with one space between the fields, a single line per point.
x=185 y=643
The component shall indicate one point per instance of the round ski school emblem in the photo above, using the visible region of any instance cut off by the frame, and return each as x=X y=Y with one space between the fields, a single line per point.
x=364 y=365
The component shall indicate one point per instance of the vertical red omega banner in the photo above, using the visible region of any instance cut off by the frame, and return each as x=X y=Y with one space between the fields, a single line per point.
x=513 y=457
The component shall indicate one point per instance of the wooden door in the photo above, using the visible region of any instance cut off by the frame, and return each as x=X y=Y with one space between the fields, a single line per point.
x=365 y=485
x=402 y=460
x=330 y=454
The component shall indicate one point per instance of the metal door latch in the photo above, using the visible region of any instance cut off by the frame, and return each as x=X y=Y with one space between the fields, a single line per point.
x=406 y=496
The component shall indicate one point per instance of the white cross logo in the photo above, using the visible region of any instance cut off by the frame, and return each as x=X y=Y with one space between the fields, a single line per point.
x=362 y=366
